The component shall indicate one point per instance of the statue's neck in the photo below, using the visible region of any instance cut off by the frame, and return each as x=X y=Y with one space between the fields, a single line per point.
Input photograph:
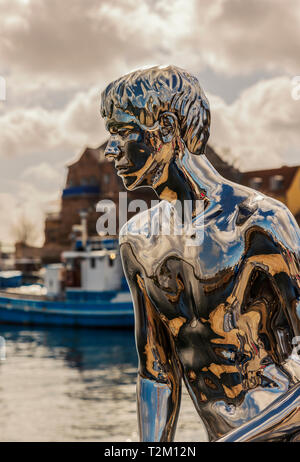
x=191 y=177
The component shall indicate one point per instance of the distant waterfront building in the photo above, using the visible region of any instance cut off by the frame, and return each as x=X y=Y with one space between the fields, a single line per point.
x=281 y=183
x=27 y=257
x=90 y=179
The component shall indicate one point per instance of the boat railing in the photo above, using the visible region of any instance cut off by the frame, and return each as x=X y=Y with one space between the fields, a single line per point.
x=19 y=296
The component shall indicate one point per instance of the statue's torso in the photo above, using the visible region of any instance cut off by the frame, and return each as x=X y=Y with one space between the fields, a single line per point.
x=225 y=335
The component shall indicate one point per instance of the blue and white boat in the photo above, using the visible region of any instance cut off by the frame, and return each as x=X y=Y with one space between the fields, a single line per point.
x=10 y=279
x=87 y=289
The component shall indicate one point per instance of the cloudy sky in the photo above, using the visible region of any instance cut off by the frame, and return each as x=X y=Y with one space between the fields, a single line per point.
x=57 y=55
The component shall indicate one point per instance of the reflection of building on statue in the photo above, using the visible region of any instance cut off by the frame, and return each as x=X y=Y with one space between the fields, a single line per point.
x=221 y=315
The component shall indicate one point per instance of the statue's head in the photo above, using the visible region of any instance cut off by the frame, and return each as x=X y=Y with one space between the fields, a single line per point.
x=153 y=116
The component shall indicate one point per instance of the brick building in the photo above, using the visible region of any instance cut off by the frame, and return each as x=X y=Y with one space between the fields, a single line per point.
x=281 y=183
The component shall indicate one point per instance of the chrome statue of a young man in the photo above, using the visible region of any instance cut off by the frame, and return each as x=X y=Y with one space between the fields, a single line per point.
x=222 y=314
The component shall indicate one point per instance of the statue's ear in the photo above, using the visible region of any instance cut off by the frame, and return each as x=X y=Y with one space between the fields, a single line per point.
x=167 y=126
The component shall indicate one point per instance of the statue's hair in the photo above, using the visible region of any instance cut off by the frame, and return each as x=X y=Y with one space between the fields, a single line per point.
x=148 y=92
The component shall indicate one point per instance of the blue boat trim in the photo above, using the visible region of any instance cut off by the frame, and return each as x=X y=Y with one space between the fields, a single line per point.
x=68 y=312
x=80 y=190
x=45 y=312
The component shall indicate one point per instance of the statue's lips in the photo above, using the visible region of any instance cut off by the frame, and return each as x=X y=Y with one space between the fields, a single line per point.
x=122 y=170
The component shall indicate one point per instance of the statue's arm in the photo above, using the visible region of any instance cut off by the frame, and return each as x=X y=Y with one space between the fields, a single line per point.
x=281 y=419
x=159 y=377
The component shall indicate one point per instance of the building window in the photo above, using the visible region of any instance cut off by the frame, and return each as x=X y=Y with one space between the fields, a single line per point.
x=93 y=180
x=255 y=182
x=106 y=178
x=276 y=182
x=89 y=181
x=111 y=259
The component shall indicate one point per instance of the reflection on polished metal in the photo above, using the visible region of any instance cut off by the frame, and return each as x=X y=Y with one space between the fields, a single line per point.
x=220 y=315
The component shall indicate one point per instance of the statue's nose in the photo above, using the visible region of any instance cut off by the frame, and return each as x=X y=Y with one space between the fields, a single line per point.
x=113 y=148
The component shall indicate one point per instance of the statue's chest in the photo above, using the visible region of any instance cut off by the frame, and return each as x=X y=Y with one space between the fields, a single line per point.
x=177 y=291
x=208 y=246
x=164 y=257
x=183 y=273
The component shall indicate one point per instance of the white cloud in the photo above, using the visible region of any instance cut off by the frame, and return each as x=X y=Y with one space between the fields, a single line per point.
x=45 y=175
x=261 y=128
x=81 y=122
x=238 y=37
x=82 y=40
x=77 y=40
x=24 y=130
x=37 y=129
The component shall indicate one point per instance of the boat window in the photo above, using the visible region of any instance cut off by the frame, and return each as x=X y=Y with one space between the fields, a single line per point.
x=92 y=262
x=106 y=178
x=111 y=259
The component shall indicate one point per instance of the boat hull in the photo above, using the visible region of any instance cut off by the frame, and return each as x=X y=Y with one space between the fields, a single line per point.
x=45 y=313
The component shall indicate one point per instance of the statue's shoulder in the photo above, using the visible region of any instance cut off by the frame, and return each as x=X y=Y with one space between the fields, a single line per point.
x=143 y=224
x=274 y=217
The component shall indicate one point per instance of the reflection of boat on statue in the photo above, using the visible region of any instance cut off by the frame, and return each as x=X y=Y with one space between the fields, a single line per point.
x=87 y=290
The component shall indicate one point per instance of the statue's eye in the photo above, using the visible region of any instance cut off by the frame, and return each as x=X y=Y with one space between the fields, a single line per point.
x=123 y=133
x=113 y=131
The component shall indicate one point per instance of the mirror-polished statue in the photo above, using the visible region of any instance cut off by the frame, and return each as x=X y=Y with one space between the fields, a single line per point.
x=222 y=315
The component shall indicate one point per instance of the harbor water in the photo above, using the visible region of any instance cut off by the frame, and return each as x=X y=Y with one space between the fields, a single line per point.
x=63 y=384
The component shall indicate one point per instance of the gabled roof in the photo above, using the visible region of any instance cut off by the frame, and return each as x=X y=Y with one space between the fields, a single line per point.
x=97 y=153
x=214 y=158
x=101 y=150
x=225 y=169
x=287 y=174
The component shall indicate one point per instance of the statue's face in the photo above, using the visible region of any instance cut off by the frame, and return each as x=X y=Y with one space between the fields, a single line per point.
x=140 y=153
